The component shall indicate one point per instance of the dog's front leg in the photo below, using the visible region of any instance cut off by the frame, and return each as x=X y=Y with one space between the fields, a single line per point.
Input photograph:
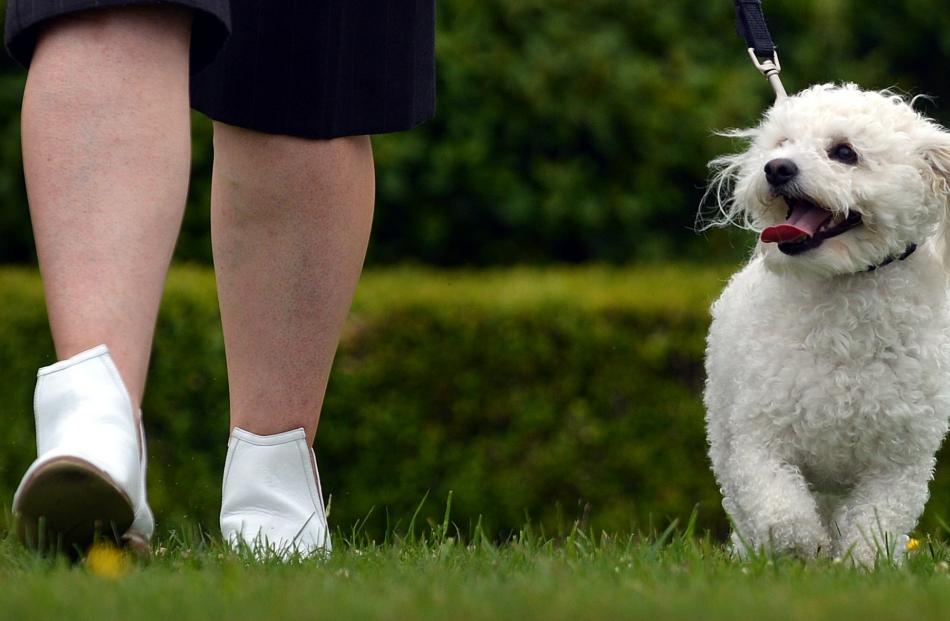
x=771 y=506
x=874 y=519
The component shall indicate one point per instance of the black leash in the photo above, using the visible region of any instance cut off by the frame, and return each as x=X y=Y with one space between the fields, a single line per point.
x=751 y=26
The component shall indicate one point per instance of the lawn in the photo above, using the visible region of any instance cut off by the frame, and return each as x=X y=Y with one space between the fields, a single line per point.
x=672 y=575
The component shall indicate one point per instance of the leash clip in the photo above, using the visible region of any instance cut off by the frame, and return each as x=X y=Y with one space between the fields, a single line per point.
x=770 y=68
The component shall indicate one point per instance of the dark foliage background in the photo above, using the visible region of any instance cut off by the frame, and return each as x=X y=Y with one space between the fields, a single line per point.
x=568 y=131
x=574 y=131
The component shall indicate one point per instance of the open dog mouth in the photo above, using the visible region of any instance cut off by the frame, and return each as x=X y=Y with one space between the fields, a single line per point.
x=807 y=225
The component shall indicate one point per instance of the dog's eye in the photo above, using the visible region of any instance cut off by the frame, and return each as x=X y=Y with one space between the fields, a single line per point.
x=844 y=154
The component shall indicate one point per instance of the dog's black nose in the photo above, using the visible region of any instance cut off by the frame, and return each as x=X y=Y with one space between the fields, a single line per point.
x=780 y=171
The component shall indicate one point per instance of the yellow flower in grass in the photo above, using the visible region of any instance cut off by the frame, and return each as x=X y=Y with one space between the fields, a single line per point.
x=913 y=544
x=107 y=561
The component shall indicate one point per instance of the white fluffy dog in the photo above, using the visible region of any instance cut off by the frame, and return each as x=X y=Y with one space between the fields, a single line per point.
x=828 y=359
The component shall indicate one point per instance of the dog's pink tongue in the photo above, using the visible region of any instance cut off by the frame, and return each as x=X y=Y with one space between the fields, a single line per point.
x=804 y=221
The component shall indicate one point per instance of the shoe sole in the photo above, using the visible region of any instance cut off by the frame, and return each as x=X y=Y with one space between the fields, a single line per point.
x=69 y=504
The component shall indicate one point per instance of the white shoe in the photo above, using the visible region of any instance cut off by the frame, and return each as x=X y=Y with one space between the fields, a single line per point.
x=271 y=497
x=89 y=477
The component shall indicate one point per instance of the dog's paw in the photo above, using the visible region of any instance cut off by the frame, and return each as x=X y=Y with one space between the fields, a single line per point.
x=868 y=550
x=804 y=537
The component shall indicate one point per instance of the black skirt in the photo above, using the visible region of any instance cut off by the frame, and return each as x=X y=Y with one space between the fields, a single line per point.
x=307 y=68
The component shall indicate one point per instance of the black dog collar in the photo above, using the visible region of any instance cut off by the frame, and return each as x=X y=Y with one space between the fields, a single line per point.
x=907 y=252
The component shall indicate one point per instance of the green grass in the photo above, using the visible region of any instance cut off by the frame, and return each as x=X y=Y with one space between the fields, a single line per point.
x=671 y=575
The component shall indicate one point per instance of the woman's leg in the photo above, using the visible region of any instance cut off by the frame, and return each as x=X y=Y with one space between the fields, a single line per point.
x=290 y=223
x=106 y=153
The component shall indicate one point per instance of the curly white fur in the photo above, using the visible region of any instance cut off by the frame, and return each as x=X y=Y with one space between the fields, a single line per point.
x=828 y=386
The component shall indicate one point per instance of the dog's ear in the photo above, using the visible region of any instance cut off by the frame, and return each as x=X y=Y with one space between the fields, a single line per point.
x=935 y=151
x=937 y=160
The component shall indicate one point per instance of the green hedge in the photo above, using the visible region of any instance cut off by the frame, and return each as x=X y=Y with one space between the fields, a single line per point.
x=543 y=393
